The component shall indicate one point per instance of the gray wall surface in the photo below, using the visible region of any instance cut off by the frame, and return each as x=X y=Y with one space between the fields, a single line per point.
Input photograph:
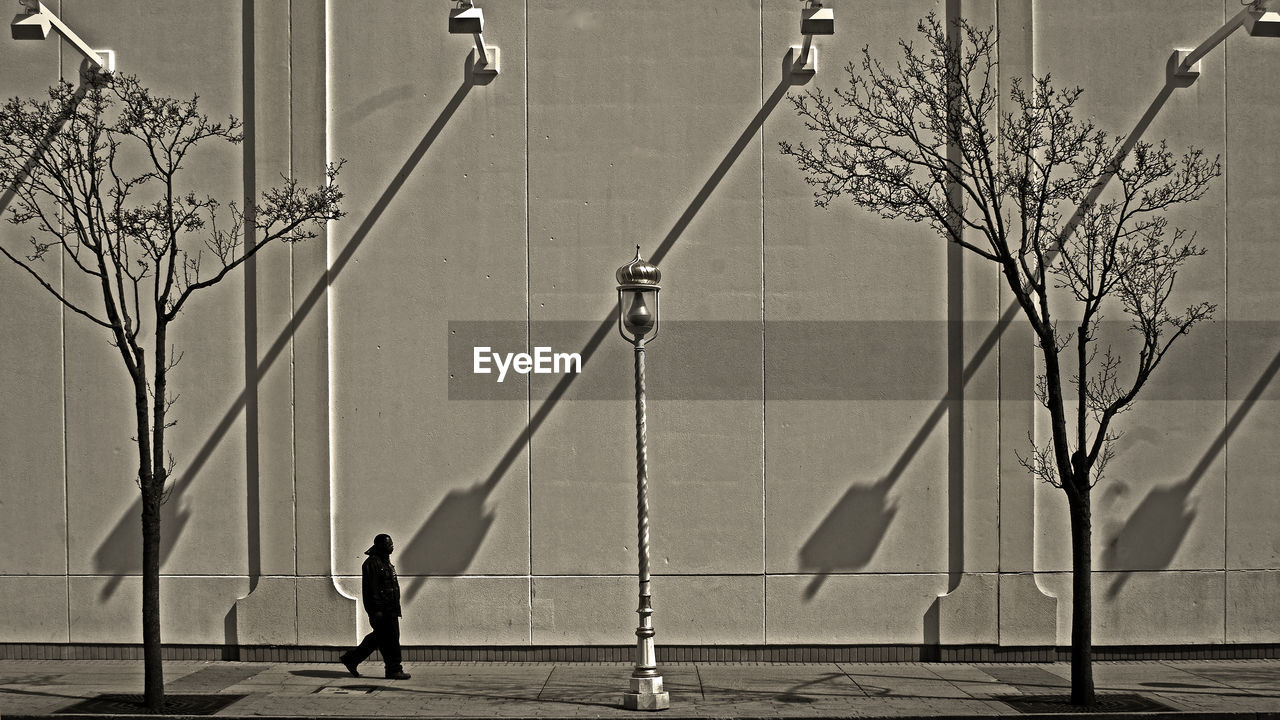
x=835 y=402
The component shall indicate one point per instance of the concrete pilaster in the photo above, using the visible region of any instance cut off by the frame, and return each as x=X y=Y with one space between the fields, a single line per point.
x=1027 y=615
x=287 y=396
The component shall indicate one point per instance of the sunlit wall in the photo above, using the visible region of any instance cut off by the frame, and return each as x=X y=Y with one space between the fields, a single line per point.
x=835 y=401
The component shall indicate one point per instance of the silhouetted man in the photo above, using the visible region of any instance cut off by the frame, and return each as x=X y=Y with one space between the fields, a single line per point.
x=381 y=594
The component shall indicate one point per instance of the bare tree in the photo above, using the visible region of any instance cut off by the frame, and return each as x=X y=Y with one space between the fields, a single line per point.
x=1076 y=225
x=95 y=176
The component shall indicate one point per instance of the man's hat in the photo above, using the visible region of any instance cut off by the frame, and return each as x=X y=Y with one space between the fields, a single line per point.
x=380 y=541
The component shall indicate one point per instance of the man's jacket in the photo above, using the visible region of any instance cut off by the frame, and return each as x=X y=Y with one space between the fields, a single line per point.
x=381 y=588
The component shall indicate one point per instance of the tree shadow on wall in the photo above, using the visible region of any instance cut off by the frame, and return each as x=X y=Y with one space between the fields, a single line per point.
x=450 y=538
x=848 y=537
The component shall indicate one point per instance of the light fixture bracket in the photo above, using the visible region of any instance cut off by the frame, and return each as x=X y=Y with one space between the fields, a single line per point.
x=1180 y=66
x=485 y=60
x=803 y=59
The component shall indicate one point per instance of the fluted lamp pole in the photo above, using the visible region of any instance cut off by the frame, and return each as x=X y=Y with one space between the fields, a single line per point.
x=638 y=324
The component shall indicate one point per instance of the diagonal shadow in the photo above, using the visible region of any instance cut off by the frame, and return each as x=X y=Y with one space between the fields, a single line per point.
x=506 y=698
x=794 y=690
x=494 y=693
x=851 y=533
x=1164 y=688
x=852 y=557
x=1152 y=534
x=38 y=693
x=111 y=559
x=451 y=536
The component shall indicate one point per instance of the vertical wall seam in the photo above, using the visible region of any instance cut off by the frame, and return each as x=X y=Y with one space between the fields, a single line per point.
x=293 y=377
x=66 y=480
x=528 y=309
x=764 y=447
x=1035 y=413
x=999 y=469
x=1226 y=335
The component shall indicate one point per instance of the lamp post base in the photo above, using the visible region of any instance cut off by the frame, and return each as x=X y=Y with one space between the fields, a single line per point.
x=646 y=694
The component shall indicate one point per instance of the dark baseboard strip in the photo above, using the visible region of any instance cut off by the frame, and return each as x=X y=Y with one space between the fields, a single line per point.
x=666 y=653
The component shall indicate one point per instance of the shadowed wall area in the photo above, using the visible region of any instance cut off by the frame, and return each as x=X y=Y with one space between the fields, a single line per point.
x=834 y=403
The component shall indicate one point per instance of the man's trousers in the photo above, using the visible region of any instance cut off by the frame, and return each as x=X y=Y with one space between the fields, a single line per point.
x=385 y=637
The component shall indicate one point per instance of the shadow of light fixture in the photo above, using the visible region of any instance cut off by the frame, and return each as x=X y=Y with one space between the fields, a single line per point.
x=467 y=19
x=814 y=20
x=34 y=23
x=1258 y=18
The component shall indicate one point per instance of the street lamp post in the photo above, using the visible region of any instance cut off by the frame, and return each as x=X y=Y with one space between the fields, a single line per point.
x=638 y=324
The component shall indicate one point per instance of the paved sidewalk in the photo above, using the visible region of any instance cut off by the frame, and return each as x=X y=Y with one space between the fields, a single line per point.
x=1191 y=689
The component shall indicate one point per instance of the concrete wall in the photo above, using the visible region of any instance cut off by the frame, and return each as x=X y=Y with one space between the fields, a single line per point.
x=833 y=412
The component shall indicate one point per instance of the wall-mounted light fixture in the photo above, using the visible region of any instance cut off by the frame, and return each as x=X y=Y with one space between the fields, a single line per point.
x=1262 y=23
x=1257 y=18
x=467 y=19
x=34 y=23
x=814 y=20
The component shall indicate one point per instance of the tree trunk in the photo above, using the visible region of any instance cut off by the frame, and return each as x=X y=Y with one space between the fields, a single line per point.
x=152 y=666
x=1081 y=598
x=152 y=499
x=151 y=491
x=151 y=477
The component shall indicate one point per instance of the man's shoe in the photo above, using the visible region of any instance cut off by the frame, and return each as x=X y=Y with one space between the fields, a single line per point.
x=351 y=665
x=398 y=675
